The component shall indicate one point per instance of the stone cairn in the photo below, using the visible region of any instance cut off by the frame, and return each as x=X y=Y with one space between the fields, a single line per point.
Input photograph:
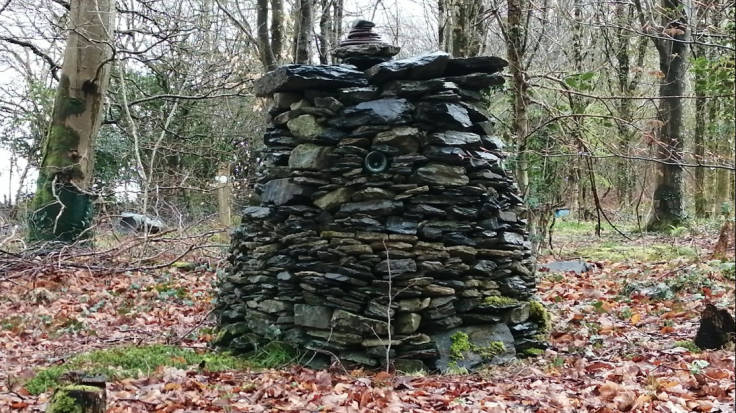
x=387 y=225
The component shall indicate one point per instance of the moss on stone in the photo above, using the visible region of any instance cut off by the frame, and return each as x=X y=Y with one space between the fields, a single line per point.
x=77 y=398
x=460 y=344
x=499 y=300
x=493 y=349
x=540 y=315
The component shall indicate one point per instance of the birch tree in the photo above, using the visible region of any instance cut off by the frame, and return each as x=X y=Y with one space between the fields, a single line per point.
x=62 y=207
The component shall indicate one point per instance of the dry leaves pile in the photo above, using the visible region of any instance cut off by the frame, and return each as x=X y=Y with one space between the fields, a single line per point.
x=612 y=349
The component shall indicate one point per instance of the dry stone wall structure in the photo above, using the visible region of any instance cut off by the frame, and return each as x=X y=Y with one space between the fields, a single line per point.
x=386 y=217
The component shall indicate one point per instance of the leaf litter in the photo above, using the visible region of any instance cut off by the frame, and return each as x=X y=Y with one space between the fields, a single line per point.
x=618 y=343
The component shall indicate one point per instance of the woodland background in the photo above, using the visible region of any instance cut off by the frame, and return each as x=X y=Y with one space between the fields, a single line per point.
x=605 y=103
x=582 y=109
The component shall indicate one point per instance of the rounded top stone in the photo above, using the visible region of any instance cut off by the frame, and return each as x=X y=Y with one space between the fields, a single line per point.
x=363 y=24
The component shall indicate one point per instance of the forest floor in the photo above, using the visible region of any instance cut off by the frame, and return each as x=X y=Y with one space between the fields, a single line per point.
x=621 y=340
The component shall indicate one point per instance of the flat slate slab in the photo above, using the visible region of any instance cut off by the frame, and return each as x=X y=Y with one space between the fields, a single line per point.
x=294 y=78
x=576 y=266
x=479 y=64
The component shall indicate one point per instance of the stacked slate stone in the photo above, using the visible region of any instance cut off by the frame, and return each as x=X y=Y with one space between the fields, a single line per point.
x=383 y=198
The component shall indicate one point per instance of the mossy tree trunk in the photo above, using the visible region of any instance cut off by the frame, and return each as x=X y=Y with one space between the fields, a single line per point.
x=671 y=44
x=61 y=209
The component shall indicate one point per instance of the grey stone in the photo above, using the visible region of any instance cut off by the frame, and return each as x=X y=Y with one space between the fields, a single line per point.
x=283 y=191
x=454 y=138
x=446 y=154
x=354 y=95
x=375 y=207
x=337 y=337
x=413 y=304
x=334 y=198
x=408 y=323
x=305 y=127
x=130 y=221
x=450 y=115
x=309 y=156
x=478 y=64
x=414 y=68
x=406 y=138
x=576 y=266
x=481 y=337
x=390 y=111
x=283 y=100
x=484 y=267
x=372 y=193
x=440 y=174
x=398 y=266
x=401 y=225
x=328 y=102
x=476 y=81
x=366 y=49
x=256 y=212
x=346 y=321
x=294 y=78
x=312 y=316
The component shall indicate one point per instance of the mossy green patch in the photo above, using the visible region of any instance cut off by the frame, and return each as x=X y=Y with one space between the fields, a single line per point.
x=272 y=355
x=63 y=403
x=540 y=315
x=129 y=361
x=532 y=352
x=493 y=349
x=688 y=345
x=461 y=343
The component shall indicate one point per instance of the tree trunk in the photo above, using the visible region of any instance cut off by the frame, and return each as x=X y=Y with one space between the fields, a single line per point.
x=62 y=208
x=667 y=205
x=461 y=30
x=303 y=31
x=325 y=35
x=277 y=29
x=519 y=123
x=625 y=176
x=264 y=43
x=699 y=149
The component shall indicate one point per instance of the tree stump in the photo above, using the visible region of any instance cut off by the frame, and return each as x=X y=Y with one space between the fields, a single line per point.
x=78 y=398
x=716 y=328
